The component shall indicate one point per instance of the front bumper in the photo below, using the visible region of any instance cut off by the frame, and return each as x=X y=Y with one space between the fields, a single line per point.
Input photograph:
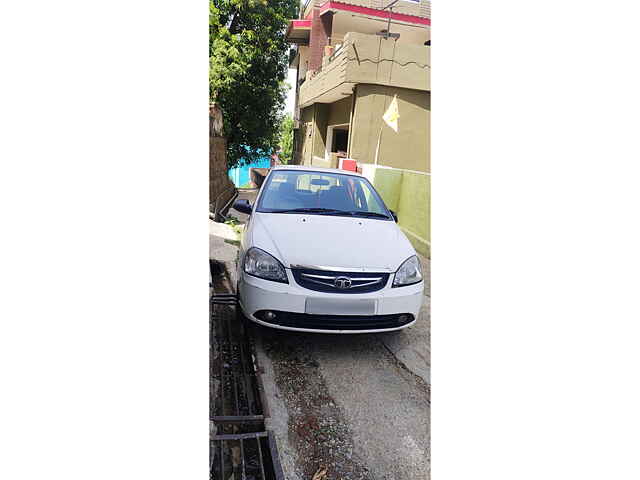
x=257 y=295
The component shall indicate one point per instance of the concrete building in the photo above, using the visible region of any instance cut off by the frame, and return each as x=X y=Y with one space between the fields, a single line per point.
x=352 y=59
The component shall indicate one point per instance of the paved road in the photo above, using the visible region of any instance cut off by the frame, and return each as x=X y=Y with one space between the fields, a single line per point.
x=350 y=401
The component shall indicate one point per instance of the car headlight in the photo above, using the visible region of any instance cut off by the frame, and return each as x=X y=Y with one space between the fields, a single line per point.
x=262 y=265
x=410 y=272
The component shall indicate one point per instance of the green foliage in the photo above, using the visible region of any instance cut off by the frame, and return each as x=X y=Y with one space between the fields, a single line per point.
x=231 y=220
x=286 y=140
x=247 y=69
x=235 y=224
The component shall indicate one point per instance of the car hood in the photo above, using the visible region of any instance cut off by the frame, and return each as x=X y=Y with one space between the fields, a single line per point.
x=330 y=241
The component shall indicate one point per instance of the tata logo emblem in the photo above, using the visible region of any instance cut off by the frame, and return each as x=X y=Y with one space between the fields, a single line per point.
x=342 y=283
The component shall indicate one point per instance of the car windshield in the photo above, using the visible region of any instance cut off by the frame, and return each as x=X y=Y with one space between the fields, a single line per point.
x=321 y=193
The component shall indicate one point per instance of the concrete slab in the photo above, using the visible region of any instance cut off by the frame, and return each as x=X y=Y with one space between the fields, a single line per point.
x=221 y=242
x=412 y=345
x=386 y=407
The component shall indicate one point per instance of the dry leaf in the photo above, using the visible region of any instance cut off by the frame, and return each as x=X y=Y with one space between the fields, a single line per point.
x=320 y=474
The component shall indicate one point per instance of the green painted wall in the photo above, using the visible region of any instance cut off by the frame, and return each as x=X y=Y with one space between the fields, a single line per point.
x=340 y=111
x=409 y=147
x=320 y=118
x=414 y=210
x=388 y=183
x=311 y=136
x=409 y=195
x=305 y=136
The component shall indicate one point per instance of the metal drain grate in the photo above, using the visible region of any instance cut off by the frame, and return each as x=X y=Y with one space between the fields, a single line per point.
x=248 y=456
x=240 y=448
x=236 y=396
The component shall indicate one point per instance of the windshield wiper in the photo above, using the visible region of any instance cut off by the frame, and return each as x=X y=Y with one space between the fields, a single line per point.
x=313 y=210
x=333 y=211
x=369 y=214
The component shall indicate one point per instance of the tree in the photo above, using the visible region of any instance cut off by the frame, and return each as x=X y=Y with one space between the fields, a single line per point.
x=247 y=69
x=286 y=140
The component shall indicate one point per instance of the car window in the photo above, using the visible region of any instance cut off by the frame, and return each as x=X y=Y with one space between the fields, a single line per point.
x=290 y=189
x=369 y=201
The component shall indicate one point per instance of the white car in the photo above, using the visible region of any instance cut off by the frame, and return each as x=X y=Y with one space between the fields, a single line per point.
x=322 y=253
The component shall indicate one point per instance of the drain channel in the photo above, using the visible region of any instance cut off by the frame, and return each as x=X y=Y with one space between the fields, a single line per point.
x=240 y=446
x=250 y=456
x=236 y=393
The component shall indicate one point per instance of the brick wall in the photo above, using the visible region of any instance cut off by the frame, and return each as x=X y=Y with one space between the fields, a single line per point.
x=319 y=37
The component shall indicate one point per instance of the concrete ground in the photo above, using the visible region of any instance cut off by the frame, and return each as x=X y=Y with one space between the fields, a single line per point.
x=358 y=405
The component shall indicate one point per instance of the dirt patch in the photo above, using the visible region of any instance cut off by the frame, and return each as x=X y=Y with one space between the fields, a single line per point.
x=317 y=428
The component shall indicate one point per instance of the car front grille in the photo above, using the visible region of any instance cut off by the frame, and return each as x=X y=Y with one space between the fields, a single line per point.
x=336 y=322
x=340 y=282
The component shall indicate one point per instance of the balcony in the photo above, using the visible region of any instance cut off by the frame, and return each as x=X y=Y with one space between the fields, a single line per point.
x=369 y=59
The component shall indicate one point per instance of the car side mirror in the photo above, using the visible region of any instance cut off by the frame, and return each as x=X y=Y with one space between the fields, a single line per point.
x=395 y=217
x=243 y=206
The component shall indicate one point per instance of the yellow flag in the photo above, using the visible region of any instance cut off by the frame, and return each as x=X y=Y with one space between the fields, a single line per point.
x=392 y=115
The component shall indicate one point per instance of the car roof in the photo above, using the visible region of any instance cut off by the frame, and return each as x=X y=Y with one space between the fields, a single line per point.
x=309 y=168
